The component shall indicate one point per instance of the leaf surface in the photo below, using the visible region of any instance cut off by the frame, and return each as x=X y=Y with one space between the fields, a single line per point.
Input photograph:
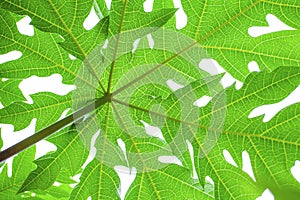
x=221 y=28
x=69 y=148
x=129 y=80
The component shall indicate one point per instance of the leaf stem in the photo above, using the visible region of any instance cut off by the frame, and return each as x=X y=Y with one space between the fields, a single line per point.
x=42 y=134
x=116 y=48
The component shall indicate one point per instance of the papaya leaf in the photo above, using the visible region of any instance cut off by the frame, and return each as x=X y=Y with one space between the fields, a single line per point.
x=147 y=104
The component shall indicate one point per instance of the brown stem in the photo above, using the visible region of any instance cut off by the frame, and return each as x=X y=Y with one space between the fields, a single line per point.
x=42 y=134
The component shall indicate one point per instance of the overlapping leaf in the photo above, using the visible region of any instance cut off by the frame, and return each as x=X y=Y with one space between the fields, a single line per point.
x=65 y=18
x=20 y=170
x=20 y=114
x=37 y=53
x=10 y=92
x=49 y=167
x=220 y=27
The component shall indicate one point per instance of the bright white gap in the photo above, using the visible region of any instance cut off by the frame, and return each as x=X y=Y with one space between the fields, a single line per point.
x=191 y=151
x=228 y=80
x=181 y=17
x=29 y=86
x=274 y=25
x=43 y=147
x=153 y=131
x=24 y=26
x=247 y=167
x=150 y=41
x=229 y=158
x=170 y=160
x=61 y=37
x=271 y=110
x=108 y=4
x=72 y=57
x=212 y=67
x=92 y=20
x=148 y=5
x=135 y=45
x=295 y=170
x=86 y=116
x=173 y=85
x=209 y=180
x=203 y=101
x=64 y=113
x=122 y=146
x=127 y=177
x=246 y=162
x=105 y=45
x=89 y=198
x=10 y=56
x=7 y=131
x=126 y=174
x=92 y=150
x=266 y=195
x=56 y=184
x=9 y=138
x=76 y=178
x=35 y=84
x=253 y=67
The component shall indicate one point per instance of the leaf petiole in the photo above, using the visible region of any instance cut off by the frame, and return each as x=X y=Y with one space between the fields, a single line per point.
x=42 y=134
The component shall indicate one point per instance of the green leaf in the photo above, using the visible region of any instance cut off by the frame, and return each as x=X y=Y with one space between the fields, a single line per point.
x=156 y=185
x=272 y=146
x=269 y=144
x=10 y=92
x=54 y=192
x=101 y=8
x=221 y=27
x=65 y=18
x=20 y=114
x=21 y=167
x=123 y=90
x=97 y=181
x=34 y=49
x=69 y=148
x=121 y=20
